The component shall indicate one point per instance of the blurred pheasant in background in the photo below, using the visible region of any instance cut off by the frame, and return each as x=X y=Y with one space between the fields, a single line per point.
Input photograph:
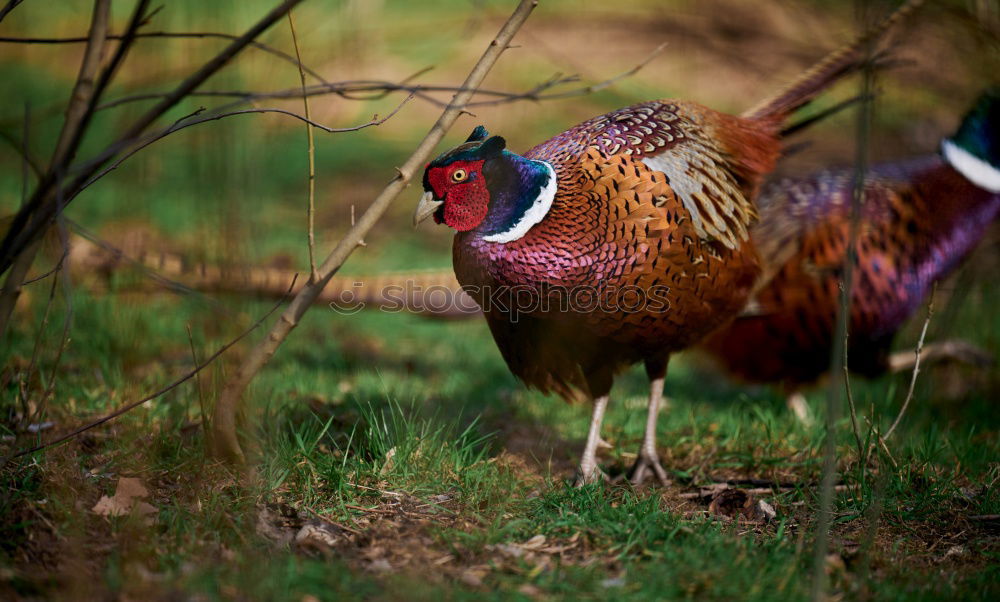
x=920 y=217
x=623 y=239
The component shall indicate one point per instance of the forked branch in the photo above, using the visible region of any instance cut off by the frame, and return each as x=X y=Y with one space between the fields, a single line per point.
x=43 y=205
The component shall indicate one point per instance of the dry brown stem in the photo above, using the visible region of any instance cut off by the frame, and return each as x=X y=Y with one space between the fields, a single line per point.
x=310 y=209
x=227 y=443
x=916 y=368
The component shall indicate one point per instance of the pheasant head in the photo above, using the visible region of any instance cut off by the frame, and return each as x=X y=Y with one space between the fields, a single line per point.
x=479 y=186
x=974 y=150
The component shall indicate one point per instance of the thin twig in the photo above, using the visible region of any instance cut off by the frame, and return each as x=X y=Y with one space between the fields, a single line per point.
x=824 y=516
x=916 y=366
x=805 y=122
x=127 y=407
x=850 y=394
x=613 y=80
x=28 y=163
x=188 y=121
x=364 y=90
x=205 y=430
x=120 y=255
x=11 y=5
x=67 y=321
x=378 y=89
x=170 y=34
x=311 y=236
x=36 y=348
x=58 y=266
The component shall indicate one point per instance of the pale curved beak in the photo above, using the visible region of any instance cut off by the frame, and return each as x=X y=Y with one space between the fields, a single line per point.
x=426 y=208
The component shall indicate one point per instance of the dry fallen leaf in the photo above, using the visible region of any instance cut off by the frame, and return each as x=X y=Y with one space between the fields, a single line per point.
x=317 y=536
x=741 y=504
x=127 y=498
x=473 y=576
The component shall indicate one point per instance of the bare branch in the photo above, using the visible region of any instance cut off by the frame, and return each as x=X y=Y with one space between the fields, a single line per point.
x=186 y=122
x=58 y=266
x=11 y=5
x=613 y=80
x=171 y=34
x=377 y=89
x=226 y=408
x=80 y=104
x=86 y=110
x=41 y=208
x=21 y=146
x=130 y=406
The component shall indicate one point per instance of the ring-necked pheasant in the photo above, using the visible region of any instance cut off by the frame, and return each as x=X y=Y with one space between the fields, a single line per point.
x=623 y=239
x=920 y=217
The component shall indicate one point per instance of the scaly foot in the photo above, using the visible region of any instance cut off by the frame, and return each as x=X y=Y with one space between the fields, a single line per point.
x=797 y=403
x=594 y=475
x=645 y=465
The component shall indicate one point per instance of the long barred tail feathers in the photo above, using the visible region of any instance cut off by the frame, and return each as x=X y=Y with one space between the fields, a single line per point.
x=827 y=71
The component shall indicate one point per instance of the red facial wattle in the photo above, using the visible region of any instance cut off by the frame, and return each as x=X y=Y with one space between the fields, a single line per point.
x=466 y=202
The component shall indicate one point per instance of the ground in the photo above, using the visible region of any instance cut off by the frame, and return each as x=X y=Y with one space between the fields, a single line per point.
x=395 y=457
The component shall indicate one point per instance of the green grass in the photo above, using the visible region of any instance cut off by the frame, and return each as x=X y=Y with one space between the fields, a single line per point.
x=332 y=431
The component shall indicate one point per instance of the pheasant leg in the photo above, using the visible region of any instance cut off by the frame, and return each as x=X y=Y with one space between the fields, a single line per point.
x=648 y=461
x=588 y=472
x=796 y=402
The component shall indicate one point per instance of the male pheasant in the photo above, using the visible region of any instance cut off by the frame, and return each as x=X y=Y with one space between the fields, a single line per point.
x=920 y=217
x=548 y=240
x=623 y=239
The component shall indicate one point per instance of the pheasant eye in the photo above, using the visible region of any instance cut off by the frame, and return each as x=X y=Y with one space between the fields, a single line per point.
x=458 y=175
